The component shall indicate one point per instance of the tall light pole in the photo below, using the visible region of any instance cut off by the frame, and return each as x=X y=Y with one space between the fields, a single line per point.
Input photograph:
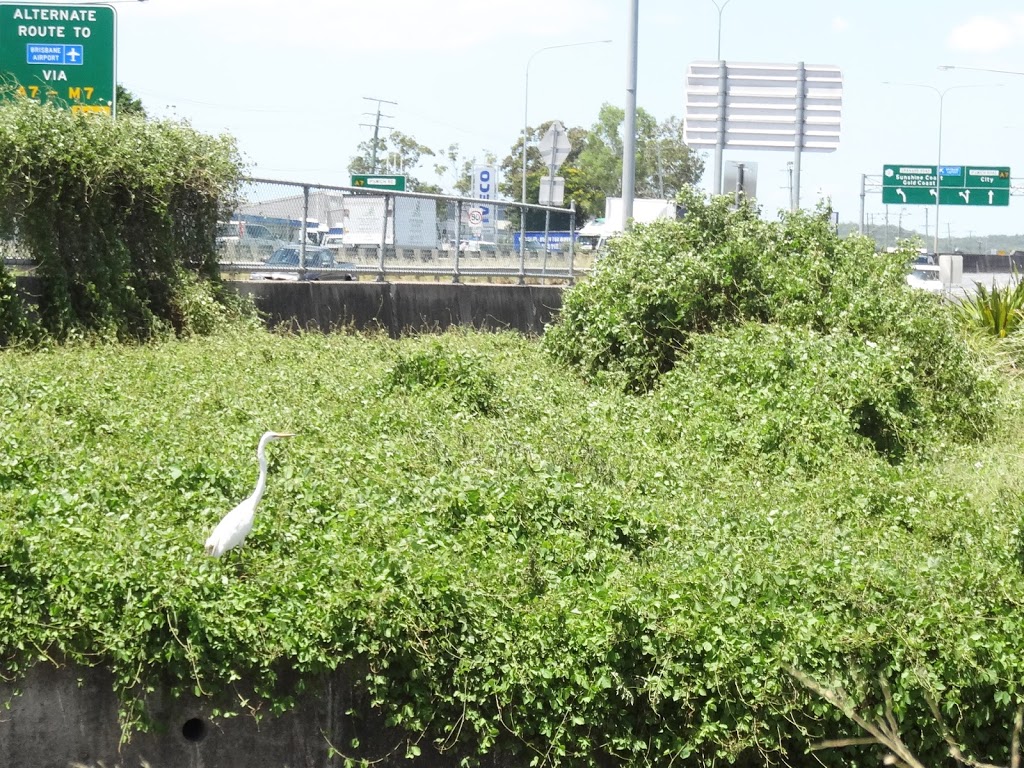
x=526 y=97
x=981 y=69
x=629 y=118
x=717 y=181
x=720 y=7
x=941 y=93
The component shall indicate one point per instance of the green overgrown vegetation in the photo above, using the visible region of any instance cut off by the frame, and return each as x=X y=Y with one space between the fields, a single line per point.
x=746 y=448
x=119 y=216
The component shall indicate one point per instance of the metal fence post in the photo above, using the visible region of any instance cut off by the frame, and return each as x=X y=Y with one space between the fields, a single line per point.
x=522 y=248
x=383 y=241
x=572 y=239
x=547 y=245
x=302 y=239
x=458 y=239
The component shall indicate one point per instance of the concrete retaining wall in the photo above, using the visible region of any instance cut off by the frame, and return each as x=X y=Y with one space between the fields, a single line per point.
x=67 y=718
x=981 y=262
x=392 y=307
x=403 y=307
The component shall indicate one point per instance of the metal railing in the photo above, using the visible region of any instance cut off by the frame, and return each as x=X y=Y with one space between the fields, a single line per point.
x=301 y=231
x=293 y=230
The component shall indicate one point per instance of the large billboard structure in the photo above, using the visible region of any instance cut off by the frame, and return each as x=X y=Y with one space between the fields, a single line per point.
x=756 y=106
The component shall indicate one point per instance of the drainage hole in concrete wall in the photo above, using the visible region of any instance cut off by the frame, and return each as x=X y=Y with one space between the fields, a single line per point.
x=194 y=730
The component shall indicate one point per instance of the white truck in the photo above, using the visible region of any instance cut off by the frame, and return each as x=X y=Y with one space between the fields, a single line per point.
x=594 y=235
x=411 y=223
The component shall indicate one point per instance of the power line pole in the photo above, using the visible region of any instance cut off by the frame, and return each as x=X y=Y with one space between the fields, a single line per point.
x=376 y=126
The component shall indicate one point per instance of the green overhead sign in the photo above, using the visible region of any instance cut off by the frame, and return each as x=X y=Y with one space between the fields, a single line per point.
x=957 y=185
x=61 y=54
x=373 y=181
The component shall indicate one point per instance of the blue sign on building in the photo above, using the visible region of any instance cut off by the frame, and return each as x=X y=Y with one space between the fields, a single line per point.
x=556 y=239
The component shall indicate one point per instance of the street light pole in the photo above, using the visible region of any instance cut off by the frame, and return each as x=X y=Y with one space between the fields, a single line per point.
x=720 y=7
x=629 y=118
x=526 y=97
x=981 y=69
x=941 y=93
x=717 y=178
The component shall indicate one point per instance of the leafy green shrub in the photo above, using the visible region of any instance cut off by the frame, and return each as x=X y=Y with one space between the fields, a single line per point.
x=584 y=577
x=662 y=283
x=845 y=339
x=111 y=211
x=15 y=324
x=796 y=396
x=200 y=306
x=459 y=374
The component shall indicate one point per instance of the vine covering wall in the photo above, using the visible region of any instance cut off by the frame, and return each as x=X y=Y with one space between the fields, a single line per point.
x=119 y=216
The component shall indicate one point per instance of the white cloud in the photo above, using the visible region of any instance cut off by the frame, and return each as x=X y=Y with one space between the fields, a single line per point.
x=985 y=34
x=839 y=24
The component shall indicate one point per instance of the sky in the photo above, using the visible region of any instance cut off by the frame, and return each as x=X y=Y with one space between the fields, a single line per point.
x=289 y=79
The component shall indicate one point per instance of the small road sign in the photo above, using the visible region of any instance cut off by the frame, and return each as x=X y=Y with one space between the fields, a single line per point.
x=957 y=185
x=552 y=190
x=555 y=146
x=390 y=183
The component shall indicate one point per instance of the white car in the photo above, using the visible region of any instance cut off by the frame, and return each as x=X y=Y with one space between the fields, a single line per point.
x=926 y=278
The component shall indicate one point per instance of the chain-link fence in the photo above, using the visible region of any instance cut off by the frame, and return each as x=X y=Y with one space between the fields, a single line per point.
x=289 y=230
x=293 y=230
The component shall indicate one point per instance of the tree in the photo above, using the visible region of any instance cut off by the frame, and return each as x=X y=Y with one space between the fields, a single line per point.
x=512 y=175
x=671 y=165
x=128 y=103
x=593 y=170
x=460 y=168
x=397 y=153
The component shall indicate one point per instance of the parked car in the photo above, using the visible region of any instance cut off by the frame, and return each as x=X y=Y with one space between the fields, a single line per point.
x=320 y=265
x=478 y=246
x=925 y=277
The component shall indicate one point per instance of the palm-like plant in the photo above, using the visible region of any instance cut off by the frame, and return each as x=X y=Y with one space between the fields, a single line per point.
x=997 y=311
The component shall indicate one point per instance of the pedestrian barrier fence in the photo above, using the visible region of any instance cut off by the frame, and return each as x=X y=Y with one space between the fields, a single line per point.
x=291 y=230
x=298 y=231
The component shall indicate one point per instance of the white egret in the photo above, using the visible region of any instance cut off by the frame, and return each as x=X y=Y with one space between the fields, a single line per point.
x=236 y=524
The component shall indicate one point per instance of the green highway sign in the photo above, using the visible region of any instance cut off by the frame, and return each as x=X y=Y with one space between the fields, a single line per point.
x=389 y=183
x=908 y=195
x=958 y=185
x=924 y=196
x=61 y=54
x=907 y=176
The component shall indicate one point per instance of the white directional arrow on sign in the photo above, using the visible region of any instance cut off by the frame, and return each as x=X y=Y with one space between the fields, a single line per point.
x=966 y=195
x=902 y=194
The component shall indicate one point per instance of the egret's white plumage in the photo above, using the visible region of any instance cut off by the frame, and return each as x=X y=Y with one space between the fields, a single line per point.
x=236 y=524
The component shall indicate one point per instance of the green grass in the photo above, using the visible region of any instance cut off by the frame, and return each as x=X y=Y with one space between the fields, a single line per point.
x=522 y=561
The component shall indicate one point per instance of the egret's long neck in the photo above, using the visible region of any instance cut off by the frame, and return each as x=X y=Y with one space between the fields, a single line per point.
x=261 y=484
